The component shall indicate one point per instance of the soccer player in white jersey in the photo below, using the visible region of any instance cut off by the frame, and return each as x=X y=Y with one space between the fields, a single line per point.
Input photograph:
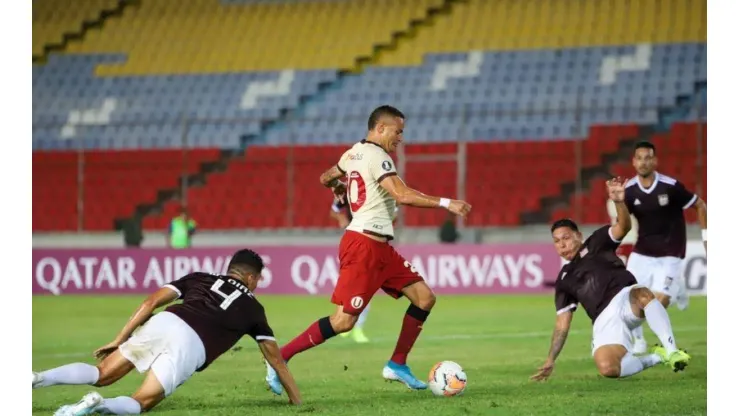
x=367 y=261
x=658 y=202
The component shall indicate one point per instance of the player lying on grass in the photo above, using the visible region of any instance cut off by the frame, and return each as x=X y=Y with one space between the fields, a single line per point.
x=597 y=279
x=367 y=262
x=216 y=311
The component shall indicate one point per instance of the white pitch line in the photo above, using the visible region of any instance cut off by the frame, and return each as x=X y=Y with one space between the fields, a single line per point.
x=450 y=337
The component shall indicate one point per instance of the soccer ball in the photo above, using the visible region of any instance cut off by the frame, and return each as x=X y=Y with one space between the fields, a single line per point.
x=447 y=378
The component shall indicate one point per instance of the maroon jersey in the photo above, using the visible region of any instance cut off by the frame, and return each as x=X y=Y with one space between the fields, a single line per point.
x=593 y=277
x=659 y=211
x=220 y=309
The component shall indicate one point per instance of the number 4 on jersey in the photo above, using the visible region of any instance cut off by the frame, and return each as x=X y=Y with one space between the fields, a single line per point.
x=228 y=299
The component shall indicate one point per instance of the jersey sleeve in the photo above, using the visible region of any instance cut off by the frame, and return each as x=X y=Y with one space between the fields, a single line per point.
x=342 y=164
x=382 y=166
x=682 y=196
x=182 y=285
x=260 y=330
x=602 y=239
x=564 y=302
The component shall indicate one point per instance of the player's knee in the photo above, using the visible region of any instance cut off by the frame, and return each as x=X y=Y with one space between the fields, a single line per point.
x=664 y=299
x=642 y=296
x=342 y=322
x=427 y=300
x=609 y=369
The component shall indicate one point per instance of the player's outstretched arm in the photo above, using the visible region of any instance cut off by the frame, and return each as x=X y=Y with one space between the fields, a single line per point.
x=615 y=189
x=161 y=297
x=271 y=352
x=559 y=335
x=409 y=196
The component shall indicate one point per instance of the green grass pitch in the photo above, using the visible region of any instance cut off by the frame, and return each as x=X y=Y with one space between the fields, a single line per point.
x=499 y=340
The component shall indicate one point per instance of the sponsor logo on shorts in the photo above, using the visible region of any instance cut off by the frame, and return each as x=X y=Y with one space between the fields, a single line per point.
x=356 y=302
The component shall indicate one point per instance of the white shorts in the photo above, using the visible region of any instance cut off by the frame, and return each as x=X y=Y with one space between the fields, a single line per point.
x=615 y=323
x=659 y=274
x=169 y=347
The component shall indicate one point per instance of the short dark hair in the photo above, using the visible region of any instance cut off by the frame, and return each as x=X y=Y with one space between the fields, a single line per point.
x=247 y=259
x=644 y=144
x=383 y=111
x=564 y=222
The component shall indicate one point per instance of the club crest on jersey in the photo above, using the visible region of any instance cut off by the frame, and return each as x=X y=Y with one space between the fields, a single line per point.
x=386 y=165
x=663 y=200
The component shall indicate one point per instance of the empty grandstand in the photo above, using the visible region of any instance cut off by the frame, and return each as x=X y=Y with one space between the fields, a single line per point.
x=235 y=107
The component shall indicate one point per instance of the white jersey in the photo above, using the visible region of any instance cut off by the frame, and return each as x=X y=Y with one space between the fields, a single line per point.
x=373 y=208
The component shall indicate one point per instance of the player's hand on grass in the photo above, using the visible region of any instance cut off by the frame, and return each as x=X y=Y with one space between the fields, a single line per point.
x=544 y=372
x=459 y=207
x=106 y=350
x=615 y=189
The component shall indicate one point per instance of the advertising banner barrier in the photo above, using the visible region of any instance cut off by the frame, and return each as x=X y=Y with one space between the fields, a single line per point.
x=449 y=269
x=695 y=268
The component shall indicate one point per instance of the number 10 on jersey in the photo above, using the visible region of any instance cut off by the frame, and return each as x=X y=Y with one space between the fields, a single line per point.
x=356 y=191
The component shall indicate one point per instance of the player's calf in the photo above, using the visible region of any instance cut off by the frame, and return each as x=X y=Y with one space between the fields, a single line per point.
x=614 y=361
x=655 y=314
x=113 y=368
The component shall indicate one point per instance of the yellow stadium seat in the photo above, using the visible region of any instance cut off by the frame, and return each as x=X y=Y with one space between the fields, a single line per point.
x=196 y=36
x=204 y=36
x=537 y=24
x=53 y=18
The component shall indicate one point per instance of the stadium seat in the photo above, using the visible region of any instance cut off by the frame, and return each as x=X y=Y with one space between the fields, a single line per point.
x=53 y=18
x=515 y=25
x=533 y=90
x=207 y=36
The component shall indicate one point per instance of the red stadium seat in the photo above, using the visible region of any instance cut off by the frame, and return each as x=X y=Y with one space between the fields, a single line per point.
x=275 y=187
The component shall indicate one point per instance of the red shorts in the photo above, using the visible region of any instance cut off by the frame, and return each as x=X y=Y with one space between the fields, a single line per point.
x=366 y=265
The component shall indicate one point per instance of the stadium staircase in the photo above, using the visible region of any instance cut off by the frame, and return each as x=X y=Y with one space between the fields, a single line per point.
x=593 y=175
x=77 y=33
x=160 y=205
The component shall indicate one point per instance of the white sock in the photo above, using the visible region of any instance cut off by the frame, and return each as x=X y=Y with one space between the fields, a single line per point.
x=658 y=321
x=650 y=360
x=122 y=405
x=76 y=373
x=638 y=334
x=363 y=317
x=630 y=365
